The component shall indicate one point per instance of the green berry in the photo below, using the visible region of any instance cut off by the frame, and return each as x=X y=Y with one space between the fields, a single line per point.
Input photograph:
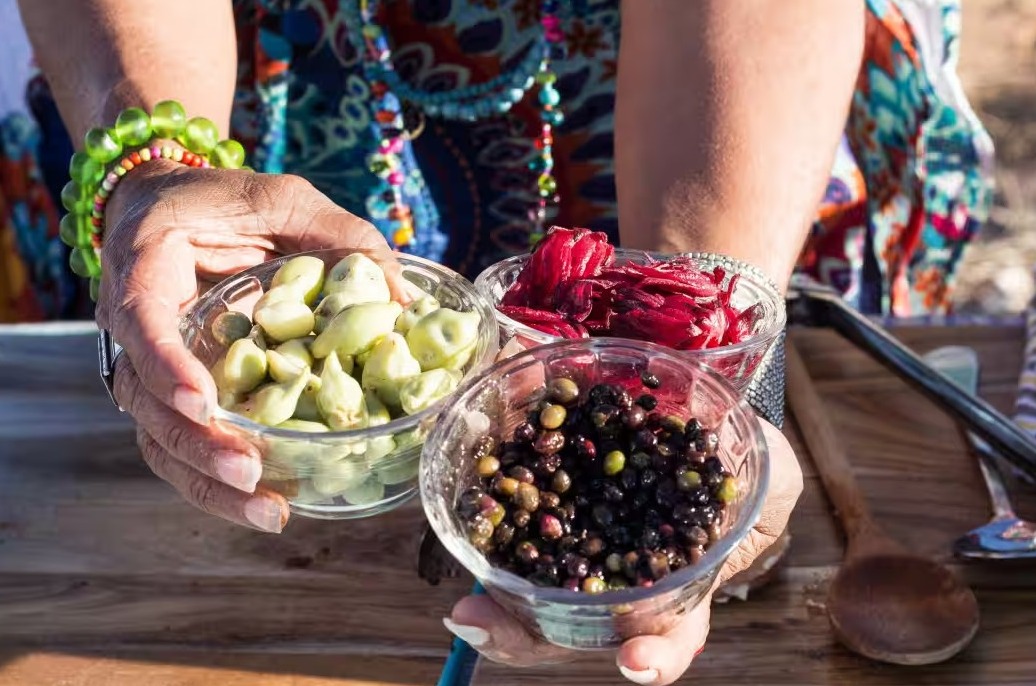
x=614 y=462
x=727 y=492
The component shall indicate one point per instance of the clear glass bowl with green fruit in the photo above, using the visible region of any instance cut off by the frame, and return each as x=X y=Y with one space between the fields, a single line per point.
x=334 y=382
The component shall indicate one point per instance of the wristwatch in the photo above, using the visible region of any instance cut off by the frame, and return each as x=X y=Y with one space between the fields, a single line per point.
x=108 y=352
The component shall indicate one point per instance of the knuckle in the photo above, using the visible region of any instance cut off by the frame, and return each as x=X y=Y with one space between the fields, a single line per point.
x=264 y=192
x=203 y=492
x=293 y=185
x=179 y=440
x=152 y=453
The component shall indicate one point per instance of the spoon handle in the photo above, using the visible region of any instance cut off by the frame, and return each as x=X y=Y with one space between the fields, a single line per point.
x=827 y=451
x=998 y=497
x=960 y=364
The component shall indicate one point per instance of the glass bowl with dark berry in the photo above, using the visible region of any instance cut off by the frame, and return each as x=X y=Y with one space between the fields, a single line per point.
x=595 y=487
x=576 y=285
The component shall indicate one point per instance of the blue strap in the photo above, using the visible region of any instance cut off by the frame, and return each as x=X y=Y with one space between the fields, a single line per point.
x=459 y=669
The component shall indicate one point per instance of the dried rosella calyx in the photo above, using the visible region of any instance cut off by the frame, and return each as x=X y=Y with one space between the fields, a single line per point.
x=652 y=325
x=571 y=288
x=529 y=315
x=563 y=256
x=634 y=299
x=548 y=322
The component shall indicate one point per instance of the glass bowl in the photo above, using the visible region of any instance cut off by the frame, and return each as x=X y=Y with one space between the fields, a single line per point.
x=737 y=363
x=497 y=400
x=338 y=474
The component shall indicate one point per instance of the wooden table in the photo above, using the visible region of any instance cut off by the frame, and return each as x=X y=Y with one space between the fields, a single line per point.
x=108 y=579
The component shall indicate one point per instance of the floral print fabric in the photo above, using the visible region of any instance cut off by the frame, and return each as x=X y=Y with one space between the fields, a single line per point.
x=910 y=187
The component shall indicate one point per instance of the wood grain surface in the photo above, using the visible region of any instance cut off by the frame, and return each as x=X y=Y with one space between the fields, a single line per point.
x=108 y=579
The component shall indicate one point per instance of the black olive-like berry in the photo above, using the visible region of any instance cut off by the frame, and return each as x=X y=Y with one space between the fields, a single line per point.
x=650 y=380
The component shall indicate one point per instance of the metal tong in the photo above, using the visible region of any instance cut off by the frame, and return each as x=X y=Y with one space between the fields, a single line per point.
x=812 y=304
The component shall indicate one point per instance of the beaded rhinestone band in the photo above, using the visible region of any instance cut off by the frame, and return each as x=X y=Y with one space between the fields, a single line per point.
x=98 y=169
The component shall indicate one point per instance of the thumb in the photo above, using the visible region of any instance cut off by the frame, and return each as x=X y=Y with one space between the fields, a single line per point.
x=660 y=660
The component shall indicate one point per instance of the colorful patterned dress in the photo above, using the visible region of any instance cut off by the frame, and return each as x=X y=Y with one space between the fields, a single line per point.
x=910 y=187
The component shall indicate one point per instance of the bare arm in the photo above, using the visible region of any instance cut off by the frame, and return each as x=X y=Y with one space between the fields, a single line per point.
x=101 y=56
x=728 y=117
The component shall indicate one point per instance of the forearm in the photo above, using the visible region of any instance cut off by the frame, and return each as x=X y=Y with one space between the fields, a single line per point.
x=728 y=116
x=101 y=56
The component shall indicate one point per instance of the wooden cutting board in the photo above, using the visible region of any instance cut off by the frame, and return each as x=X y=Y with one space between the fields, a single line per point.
x=108 y=579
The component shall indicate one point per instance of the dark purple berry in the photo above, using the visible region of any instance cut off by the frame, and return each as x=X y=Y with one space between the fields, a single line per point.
x=549 y=442
x=628 y=479
x=650 y=380
x=527 y=552
x=592 y=547
x=546 y=465
x=648 y=402
x=521 y=518
x=649 y=538
x=640 y=460
x=601 y=393
x=549 y=500
x=504 y=534
x=603 y=515
x=525 y=432
x=613 y=494
x=634 y=417
x=585 y=448
x=645 y=439
x=576 y=566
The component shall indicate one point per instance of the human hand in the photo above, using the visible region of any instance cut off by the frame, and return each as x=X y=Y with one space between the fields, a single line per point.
x=652 y=660
x=171 y=228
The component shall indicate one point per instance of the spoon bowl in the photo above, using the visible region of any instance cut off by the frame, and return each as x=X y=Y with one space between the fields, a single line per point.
x=885 y=603
x=898 y=608
x=1006 y=536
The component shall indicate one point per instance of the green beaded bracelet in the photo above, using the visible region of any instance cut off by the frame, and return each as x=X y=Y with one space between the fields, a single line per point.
x=107 y=158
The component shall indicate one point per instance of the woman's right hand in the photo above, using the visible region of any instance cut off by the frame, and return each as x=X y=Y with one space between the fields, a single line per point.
x=170 y=228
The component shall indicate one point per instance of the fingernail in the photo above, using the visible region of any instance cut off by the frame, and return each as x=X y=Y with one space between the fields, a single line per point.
x=643 y=676
x=264 y=514
x=191 y=404
x=472 y=635
x=238 y=470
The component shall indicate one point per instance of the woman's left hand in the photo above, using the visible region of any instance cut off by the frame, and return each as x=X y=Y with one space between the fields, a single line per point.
x=653 y=660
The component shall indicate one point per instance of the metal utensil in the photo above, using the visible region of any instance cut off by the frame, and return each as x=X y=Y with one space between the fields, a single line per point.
x=815 y=305
x=1006 y=536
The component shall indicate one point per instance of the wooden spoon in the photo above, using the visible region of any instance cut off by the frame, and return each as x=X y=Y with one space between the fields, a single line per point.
x=885 y=603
